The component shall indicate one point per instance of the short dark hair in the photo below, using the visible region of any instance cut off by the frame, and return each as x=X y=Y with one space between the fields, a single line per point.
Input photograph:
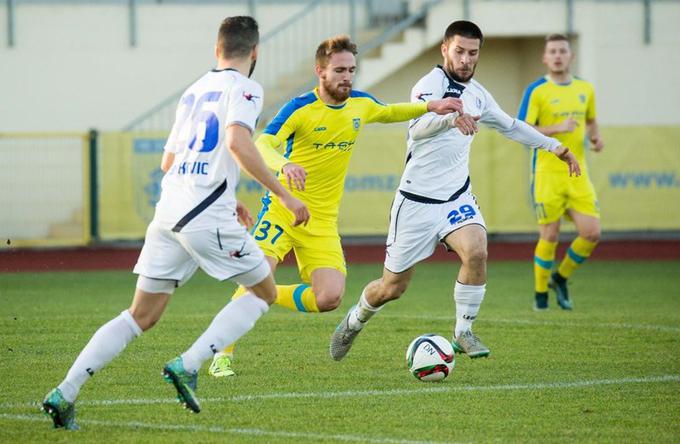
x=237 y=36
x=557 y=38
x=465 y=29
x=330 y=46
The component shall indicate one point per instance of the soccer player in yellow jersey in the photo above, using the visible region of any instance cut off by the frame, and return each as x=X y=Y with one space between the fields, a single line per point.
x=562 y=106
x=310 y=142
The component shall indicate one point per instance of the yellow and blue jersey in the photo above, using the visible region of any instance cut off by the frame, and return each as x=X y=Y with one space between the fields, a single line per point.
x=321 y=138
x=547 y=103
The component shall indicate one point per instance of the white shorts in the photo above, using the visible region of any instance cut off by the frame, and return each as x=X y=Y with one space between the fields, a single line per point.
x=416 y=227
x=227 y=252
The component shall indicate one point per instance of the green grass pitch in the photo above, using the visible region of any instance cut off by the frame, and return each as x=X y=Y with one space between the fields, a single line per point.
x=607 y=372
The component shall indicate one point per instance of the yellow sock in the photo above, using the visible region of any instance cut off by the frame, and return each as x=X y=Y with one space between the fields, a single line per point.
x=297 y=298
x=294 y=297
x=577 y=253
x=544 y=257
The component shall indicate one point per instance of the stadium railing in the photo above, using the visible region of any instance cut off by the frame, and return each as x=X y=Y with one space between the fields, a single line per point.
x=289 y=53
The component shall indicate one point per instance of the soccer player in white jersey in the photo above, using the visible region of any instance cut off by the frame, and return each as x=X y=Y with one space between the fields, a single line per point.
x=195 y=224
x=434 y=202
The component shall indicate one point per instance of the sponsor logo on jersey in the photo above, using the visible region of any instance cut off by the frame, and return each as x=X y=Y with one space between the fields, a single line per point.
x=320 y=128
x=342 y=146
x=250 y=97
x=454 y=90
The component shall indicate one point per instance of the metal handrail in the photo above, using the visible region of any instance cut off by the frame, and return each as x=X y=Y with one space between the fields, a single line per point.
x=377 y=42
x=391 y=32
x=174 y=97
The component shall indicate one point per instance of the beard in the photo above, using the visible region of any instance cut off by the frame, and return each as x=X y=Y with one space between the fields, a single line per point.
x=558 y=70
x=335 y=92
x=252 y=67
x=457 y=77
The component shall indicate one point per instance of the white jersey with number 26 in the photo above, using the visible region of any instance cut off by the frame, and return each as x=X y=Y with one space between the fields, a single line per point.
x=198 y=191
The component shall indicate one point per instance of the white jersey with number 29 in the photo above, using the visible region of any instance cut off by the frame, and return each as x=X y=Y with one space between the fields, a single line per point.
x=437 y=166
x=198 y=191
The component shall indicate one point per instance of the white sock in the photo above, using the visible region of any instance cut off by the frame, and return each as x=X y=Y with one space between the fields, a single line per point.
x=362 y=313
x=468 y=299
x=232 y=322
x=106 y=343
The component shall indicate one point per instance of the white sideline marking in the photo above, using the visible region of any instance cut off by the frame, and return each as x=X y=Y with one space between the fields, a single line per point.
x=626 y=326
x=390 y=392
x=434 y=317
x=217 y=429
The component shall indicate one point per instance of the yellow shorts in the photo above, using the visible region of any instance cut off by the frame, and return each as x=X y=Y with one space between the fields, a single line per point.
x=554 y=193
x=316 y=245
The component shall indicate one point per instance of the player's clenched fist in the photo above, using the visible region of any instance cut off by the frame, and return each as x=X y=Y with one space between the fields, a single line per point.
x=445 y=106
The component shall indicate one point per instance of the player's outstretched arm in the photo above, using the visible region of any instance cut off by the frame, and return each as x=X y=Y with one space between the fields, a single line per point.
x=526 y=135
x=296 y=175
x=567 y=157
x=240 y=144
x=566 y=126
x=401 y=112
x=522 y=132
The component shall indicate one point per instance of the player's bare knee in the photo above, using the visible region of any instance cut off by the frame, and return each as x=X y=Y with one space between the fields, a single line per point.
x=550 y=236
x=550 y=232
x=591 y=235
x=474 y=256
x=328 y=299
x=481 y=255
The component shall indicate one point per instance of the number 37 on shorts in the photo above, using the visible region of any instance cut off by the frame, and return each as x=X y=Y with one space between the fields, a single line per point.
x=266 y=229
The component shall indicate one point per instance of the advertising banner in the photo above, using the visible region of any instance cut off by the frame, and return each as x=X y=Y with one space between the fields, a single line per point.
x=637 y=179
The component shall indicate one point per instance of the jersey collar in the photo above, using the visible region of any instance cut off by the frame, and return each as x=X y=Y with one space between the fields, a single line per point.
x=549 y=79
x=222 y=70
x=454 y=89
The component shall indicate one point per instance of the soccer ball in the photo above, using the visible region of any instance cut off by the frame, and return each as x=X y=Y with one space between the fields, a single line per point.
x=430 y=357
